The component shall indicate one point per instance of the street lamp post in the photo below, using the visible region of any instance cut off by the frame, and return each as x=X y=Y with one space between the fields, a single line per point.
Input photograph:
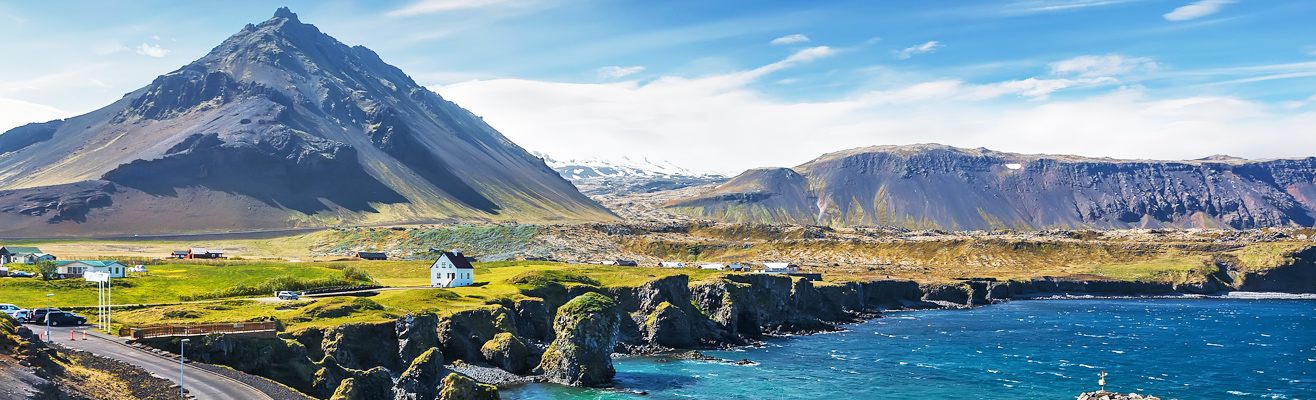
x=182 y=348
x=48 y=316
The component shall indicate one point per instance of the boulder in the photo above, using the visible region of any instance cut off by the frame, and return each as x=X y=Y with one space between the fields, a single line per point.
x=586 y=330
x=506 y=351
x=457 y=387
x=421 y=380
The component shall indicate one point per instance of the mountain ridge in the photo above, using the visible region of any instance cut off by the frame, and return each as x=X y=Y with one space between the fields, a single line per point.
x=279 y=126
x=943 y=187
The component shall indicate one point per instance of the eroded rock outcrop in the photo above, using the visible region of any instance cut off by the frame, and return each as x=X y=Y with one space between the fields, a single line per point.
x=507 y=352
x=457 y=387
x=421 y=380
x=416 y=334
x=586 y=334
x=363 y=346
x=463 y=333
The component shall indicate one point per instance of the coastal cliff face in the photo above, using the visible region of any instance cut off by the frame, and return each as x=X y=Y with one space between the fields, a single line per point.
x=942 y=187
x=572 y=326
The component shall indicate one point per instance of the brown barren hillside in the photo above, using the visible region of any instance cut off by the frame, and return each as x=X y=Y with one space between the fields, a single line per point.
x=280 y=126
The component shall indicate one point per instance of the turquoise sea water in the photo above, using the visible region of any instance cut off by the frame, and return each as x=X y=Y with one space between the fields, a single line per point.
x=1041 y=349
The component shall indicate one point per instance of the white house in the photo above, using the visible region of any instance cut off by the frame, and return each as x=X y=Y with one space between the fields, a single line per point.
x=451 y=270
x=780 y=268
x=671 y=264
x=77 y=268
x=23 y=255
x=715 y=267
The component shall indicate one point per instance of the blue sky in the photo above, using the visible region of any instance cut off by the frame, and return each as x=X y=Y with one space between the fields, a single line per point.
x=728 y=85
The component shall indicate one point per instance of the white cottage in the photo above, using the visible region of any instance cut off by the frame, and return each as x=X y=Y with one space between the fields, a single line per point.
x=77 y=268
x=451 y=270
x=715 y=267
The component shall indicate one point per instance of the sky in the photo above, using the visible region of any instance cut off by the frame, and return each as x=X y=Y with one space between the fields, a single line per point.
x=723 y=86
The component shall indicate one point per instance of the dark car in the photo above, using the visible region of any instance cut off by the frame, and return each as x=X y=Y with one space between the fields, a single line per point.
x=38 y=315
x=58 y=318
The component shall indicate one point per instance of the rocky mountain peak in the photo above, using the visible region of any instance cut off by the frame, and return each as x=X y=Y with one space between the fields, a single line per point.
x=284 y=12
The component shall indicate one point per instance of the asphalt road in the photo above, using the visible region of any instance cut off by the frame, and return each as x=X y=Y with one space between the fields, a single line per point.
x=200 y=383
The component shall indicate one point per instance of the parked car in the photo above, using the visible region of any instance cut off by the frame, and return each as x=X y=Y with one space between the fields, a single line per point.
x=22 y=315
x=286 y=295
x=37 y=316
x=20 y=274
x=58 y=318
x=10 y=309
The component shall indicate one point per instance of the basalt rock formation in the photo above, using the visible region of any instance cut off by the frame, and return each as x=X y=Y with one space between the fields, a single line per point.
x=586 y=335
x=587 y=322
x=943 y=187
x=280 y=126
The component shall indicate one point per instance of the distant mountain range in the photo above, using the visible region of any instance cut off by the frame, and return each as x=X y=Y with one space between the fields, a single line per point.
x=626 y=175
x=280 y=126
x=625 y=166
x=943 y=187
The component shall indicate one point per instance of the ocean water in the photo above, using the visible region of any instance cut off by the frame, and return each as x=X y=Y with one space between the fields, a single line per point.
x=1037 y=349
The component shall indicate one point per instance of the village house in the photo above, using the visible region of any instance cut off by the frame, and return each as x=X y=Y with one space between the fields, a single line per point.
x=627 y=263
x=671 y=264
x=451 y=270
x=23 y=255
x=371 y=255
x=715 y=267
x=780 y=268
x=178 y=254
x=201 y=253
x=75 y=269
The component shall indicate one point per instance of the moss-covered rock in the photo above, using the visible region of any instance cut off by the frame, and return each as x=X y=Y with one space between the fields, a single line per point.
x=331 y=375
x=586 y=334
x=457 y=387
x=463 y=333
x=506 y=351
x=416 y=334
x=421 y=380
x=372 y=385
x=363 y=346
x=669 y=326
x=281 y=360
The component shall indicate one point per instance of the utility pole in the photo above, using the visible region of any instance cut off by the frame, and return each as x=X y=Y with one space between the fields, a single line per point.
x=48 y=316
x=182 y=348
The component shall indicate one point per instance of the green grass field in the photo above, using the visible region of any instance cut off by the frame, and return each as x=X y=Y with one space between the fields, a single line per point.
x=160 y=284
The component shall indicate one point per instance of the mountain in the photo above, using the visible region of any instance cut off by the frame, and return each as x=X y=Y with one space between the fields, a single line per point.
x=596 y=176
x=280 y=126
x=943 y=187
x=593 y=167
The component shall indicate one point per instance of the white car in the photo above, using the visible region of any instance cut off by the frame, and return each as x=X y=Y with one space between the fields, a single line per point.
x=11 y=309
x=285 y=295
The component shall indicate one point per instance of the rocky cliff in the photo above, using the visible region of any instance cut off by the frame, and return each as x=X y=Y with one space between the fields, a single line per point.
x=570 y=326
x=279 y=126
x=934 y=186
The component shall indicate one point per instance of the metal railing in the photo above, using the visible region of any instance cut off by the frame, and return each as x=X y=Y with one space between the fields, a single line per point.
x=147 y=332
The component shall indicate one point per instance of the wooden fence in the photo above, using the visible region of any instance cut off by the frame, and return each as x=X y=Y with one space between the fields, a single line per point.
x=161 y=331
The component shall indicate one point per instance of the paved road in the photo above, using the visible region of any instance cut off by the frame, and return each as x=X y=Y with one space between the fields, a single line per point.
x=203 y=384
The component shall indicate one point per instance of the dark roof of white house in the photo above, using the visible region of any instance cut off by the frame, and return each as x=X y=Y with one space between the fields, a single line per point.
x=457 y=260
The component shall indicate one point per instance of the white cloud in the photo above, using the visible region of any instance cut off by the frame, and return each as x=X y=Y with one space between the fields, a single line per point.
x=156 y=37
x=790 y=39
x=720 y=123
x=918 y=49
x=17 y=112
x=614 y=72
x=1095 y=66
x=153 y=51
x=1198 y=9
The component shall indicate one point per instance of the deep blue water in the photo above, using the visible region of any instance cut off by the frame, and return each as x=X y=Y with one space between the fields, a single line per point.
x=1040 y=349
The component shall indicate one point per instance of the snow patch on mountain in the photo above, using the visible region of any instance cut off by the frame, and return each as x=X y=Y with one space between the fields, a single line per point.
x=625 y=166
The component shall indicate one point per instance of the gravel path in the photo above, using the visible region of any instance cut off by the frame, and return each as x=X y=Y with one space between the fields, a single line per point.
x=274 y=390
x=490 y=375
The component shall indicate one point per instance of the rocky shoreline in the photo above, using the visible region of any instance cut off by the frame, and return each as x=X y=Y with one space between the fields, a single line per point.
x=569 y=333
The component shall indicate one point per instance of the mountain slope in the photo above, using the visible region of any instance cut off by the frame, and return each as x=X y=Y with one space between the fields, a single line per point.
x=935 y=186
x=280 y=126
